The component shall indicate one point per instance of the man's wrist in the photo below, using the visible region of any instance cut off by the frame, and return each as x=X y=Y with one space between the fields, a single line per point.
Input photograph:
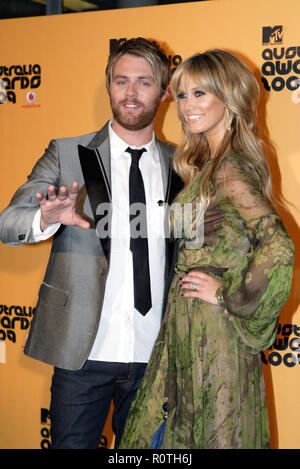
x=44 y=225
x=37 y=233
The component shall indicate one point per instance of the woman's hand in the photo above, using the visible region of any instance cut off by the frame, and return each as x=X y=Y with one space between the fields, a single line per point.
x=200 y=285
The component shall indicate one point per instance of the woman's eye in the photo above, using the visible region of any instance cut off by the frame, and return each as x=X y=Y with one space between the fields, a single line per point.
x=199 y=93
x=180 y=95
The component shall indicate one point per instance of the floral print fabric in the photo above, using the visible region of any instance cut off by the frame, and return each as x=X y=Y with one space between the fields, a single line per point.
x=205 y=363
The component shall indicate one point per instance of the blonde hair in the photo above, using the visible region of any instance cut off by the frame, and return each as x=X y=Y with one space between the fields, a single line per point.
x=222 y=74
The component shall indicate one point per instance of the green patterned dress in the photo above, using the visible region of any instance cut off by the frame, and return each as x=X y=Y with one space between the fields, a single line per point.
x=205 y=363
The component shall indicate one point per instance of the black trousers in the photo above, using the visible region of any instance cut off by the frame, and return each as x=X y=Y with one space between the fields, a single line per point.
x=80 y=402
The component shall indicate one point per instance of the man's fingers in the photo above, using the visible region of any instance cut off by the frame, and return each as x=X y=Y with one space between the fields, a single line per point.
x=62 y=193
x=40 y=197
x=60 y=207
x=51 y=193
x=74 y=189
x=81 y=223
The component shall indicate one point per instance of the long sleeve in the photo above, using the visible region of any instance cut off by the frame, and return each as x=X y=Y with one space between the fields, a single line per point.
x=39 y=235
x=16 y=220
x=255 y=290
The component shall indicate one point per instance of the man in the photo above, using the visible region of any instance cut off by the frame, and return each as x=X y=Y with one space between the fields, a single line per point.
x=100 y=304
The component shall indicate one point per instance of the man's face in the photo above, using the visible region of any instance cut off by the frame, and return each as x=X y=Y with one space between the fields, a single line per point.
x=134 y=95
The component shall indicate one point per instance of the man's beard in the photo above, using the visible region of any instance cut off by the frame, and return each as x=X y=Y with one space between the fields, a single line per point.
x=130 y=121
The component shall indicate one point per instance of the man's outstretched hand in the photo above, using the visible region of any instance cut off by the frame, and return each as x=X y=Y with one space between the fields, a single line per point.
x=60 y=207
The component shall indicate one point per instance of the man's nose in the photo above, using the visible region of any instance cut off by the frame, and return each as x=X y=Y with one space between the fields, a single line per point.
x=131 y=89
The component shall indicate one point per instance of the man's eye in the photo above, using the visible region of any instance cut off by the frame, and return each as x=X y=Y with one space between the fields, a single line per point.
x=145 y=83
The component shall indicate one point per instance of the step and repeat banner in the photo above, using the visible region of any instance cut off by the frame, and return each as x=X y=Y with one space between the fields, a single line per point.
x=52 y=85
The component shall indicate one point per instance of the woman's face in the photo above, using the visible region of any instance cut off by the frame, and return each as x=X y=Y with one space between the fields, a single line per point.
x=203 y=112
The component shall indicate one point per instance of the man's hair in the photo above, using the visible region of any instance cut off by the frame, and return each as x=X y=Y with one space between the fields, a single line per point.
x=149 y=51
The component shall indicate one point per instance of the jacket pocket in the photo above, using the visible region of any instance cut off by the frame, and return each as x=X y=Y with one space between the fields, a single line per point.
x=53 y=295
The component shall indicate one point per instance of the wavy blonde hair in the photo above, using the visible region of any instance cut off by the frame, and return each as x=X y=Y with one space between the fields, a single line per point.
x=225 y=76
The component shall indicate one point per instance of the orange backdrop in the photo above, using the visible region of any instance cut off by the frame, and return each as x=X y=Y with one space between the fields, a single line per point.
x=52 y=85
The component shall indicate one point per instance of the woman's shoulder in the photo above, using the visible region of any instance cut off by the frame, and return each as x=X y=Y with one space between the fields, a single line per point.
x=235 y=158
x=237 y=164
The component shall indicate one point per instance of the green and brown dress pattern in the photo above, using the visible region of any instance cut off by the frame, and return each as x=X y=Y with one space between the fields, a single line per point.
x=206 y=363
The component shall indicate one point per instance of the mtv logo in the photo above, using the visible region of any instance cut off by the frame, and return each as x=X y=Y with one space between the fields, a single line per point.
x=272 y=35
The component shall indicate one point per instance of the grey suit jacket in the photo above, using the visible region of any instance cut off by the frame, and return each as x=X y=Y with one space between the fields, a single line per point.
x=70 y=298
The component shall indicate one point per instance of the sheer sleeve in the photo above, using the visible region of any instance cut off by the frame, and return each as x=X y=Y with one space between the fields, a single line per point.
x=254 y=292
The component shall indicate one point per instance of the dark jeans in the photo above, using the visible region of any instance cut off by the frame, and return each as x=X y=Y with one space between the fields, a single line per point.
x=80 y=402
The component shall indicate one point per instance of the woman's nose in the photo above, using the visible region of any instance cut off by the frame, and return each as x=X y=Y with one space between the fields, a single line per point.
x=189 y=102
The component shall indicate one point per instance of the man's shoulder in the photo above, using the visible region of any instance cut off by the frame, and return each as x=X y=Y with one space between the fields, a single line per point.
x=166 y=147
x=79 y=140
x=86 y=139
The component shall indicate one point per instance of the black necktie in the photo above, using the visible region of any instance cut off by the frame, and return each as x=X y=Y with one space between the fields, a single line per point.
x=138 y=235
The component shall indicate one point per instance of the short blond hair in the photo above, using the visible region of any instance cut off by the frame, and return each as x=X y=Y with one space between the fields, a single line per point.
x=150 y=52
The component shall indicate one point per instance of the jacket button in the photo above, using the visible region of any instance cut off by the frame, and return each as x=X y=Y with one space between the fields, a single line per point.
x=102 y=271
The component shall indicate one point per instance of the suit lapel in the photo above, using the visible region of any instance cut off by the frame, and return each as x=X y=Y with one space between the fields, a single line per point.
x=165 y=166
x=175 y=186
x=95 y=165
x=96 y=168
x=172 y=183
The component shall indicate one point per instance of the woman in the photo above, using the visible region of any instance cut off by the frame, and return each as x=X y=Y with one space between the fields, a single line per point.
x=227 y=293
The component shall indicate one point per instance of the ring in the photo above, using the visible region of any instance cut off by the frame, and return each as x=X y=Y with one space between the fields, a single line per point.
x=194 y=286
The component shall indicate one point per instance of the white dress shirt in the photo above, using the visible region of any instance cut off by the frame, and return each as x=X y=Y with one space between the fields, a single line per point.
x=124 y=335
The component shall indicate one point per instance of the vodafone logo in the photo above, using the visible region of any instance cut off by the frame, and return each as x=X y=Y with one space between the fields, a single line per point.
x=31 y=96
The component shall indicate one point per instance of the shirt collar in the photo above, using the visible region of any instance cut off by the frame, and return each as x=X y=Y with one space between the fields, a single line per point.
x=118 y=146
